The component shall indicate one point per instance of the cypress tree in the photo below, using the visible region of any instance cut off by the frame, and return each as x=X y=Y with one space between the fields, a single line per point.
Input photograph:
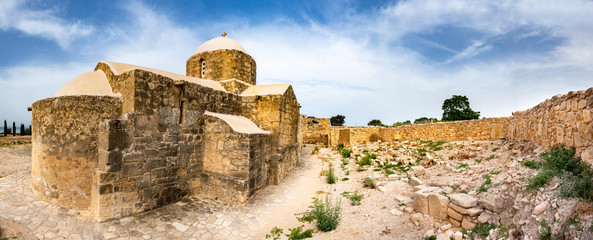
x=22 y=129
x=13 y=129
x=5 y=126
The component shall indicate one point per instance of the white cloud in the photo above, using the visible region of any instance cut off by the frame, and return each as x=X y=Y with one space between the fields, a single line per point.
x=43 y=23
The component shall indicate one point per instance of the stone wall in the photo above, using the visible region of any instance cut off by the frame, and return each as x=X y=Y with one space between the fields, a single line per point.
x=563 y=119
x=223 y=64
x=235 y=164
x=65 y=146
x=315 y=130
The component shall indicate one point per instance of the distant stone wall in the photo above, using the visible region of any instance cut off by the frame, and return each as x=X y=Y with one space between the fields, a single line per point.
x=223 y=64
x=64 y=152
x=564 y=119
x=315 y=130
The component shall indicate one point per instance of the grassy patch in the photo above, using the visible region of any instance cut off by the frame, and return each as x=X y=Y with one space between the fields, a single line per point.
x=462 y=166
x=532 y=164
x=366 y=160
x=354 y=198
x=346 y=152
x=545 y=231
x=17 y=142
x=487 y=183
x=297 y=233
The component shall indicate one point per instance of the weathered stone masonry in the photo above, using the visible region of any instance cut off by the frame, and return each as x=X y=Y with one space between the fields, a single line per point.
x=564 y=119
x=157 y=136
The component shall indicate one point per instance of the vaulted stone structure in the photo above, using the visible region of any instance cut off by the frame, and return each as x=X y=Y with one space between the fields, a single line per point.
x=124 y=139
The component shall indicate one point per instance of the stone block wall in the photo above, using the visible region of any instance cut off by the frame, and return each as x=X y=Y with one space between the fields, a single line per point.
x=315 y=130
x=279 y=114
x=564 y=119
x=223 y=64
x=64 y=152
x=235 y=164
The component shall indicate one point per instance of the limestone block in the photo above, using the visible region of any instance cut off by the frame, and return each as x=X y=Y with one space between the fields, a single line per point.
x=454 y=222
x=463 y=200
x=474 y=211
x=454 y=214
x=418 y=170
x=541 y=207
x=437 y=205
x=484 y=217
x=414 y=181
x=467 y=223
x=421 y=198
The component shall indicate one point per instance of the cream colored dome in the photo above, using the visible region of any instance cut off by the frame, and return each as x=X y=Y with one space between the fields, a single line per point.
x=89 y=83
x=220 y=43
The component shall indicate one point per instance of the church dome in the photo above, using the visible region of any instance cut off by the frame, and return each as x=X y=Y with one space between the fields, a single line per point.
x=89 y=83
x=220 y=43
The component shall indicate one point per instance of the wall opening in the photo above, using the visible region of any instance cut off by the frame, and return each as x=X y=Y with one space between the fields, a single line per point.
x=202 y=68
x=181 y=115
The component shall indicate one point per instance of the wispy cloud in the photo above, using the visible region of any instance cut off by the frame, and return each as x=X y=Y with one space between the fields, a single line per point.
x=43 y=23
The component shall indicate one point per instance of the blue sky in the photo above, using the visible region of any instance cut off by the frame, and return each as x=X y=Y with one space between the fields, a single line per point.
x=387 y=60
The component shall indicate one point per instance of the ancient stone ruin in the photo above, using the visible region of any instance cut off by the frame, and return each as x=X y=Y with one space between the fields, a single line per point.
x=125 y=139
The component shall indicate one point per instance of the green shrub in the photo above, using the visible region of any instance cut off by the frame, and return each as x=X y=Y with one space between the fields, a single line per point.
x=366 y=160
x=494 y=149
x=431 y=237
x=346 y=152
x=532 y=164
x=487 y=183
x=274 y=234
x=540 y=180
x=327 y=214
x=297 y=233
x=369 y=183
x=331 y=177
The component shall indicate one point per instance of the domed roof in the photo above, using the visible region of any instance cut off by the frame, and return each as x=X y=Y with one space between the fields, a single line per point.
x=220 y=43
x=89 y=83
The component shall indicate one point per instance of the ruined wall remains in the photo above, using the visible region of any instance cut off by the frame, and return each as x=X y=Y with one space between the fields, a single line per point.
x=315 y=130
x=563 y=119
x=65 y=146
x=222 y=64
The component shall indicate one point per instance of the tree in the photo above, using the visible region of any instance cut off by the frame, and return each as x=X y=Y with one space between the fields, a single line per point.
x=375 y=122
x=22 y=129
x=5 y=128
x=421 y=120
x=337 y=120
x=457 y=108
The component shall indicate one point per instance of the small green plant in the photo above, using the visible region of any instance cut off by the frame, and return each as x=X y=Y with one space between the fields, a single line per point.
x=540 y=180
x=347 y=172
x=545 y=231
x=483 y=230
x=369 y=183
x=345 y=179
x=491 y=157
x=532 y=164
x=487 y=183
x=463 y=191
x=453 y=187
x=360 y=169
x=346 y=152
x=495 y=149
x=431 y=237
x=495 y=172
x=327 y=214
x=462 y=165
x=354 y=198
x=297 y=233
x=315 y=150
x=331 y=177
x=274 y=234
x=366 y=160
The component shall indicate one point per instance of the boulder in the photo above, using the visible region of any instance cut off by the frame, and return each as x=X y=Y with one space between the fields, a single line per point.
x=418 y=170
x=484 y=217
x=475 y=211
x=454 y=214
x=541 y=207
x=454 y=222
x=463 y=200
x=415 y=181
x=467 y=223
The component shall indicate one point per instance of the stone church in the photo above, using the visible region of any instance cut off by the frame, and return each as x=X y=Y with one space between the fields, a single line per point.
x=124 y=139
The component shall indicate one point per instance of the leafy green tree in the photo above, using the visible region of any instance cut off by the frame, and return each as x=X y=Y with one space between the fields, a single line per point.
x=457 y=108
x=337 y=120
x=375 y=122
x=421 y=120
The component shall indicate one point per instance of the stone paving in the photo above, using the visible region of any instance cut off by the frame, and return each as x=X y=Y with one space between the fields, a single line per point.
x=194 y=217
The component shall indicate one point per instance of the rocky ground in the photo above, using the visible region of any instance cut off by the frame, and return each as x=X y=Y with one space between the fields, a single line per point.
x=421 y=188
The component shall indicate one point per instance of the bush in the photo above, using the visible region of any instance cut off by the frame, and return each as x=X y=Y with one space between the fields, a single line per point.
x=327 y=214
x=346 y=152
x=532 y=164
x=315 y=150
x=331 y=177
x=369 y=183
x=297 y=233
x=577 y=176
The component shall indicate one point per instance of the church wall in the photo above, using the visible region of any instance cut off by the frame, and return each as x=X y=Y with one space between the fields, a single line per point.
x=279 y=114
x=64 y=152
x=163 y=160
x=223 y=64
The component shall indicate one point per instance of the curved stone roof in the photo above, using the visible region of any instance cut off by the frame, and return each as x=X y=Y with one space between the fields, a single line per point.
x=239 y=124
x=119 y=68
x=89 y=83
x=273 y=89
x=220 y=43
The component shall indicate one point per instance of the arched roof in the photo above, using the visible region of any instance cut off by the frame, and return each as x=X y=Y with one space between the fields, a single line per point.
x=89 y=83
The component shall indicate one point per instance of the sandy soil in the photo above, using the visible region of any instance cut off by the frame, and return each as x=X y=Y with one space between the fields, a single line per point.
x=15 y=158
